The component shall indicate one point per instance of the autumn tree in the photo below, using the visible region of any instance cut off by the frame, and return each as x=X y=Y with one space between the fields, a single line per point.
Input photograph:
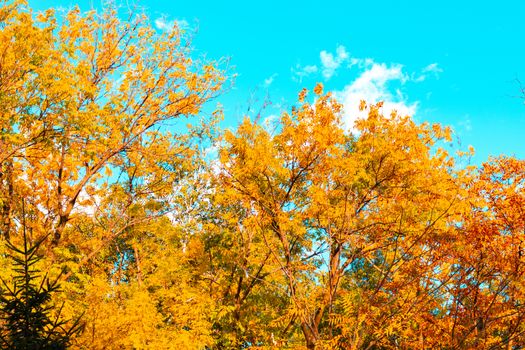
x=348 y=225
x=95 y=135
x=311 y=235
x=483 y=306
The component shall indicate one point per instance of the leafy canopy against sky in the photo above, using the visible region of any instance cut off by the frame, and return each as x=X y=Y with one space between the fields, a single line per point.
x=450 y=62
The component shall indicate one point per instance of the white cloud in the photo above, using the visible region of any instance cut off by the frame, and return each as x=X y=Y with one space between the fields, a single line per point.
x=374 y=83
x=372 y=86
x=432 y=68
x=419 y=78
x=299 y=72
x=310 y=69
x=330 y=62
x=268 y=81
x=166 y=26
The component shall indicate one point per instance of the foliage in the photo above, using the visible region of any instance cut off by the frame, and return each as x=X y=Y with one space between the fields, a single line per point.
x=348 y=224
x=28 y=320
x=307 y=235
x=100 y=134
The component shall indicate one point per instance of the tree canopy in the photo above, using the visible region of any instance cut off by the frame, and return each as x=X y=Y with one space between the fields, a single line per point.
x=305 y=234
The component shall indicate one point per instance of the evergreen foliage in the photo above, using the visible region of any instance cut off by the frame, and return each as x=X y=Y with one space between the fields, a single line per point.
x=28 y=320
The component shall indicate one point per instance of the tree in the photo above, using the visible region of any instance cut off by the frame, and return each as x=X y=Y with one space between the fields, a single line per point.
x=29 y=320
x=95 y=94
x=100 y=132
x=485 y=266
x=310 y=235
x=349 y=224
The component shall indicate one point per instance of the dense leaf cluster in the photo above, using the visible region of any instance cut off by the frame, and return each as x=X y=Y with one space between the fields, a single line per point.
x=295 y=232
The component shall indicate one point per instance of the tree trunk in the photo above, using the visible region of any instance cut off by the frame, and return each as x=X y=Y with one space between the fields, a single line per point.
x=309 y=336
x=6 y=197
x=137 y=262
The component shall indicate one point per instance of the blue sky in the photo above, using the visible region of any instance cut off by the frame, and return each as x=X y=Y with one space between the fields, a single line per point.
x=453 y=62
